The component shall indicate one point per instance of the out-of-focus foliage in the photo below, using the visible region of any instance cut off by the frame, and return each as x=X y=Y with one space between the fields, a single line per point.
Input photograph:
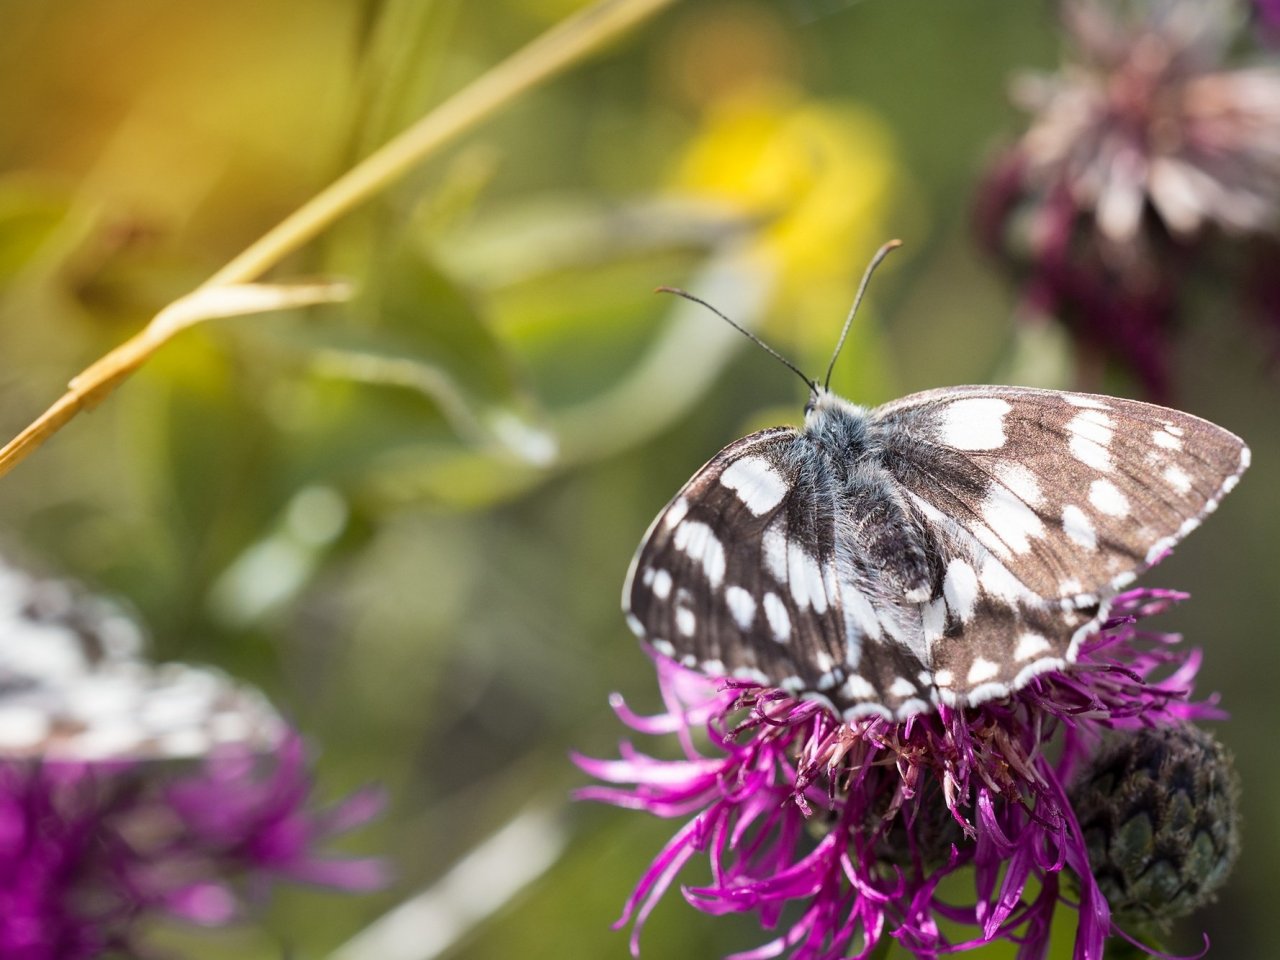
x=408 y=517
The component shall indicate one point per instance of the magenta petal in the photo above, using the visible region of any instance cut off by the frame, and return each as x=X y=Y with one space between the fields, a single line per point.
x=210 y=904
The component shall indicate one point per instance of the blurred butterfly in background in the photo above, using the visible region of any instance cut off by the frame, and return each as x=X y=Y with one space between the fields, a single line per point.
x=74 y=685
x=944 y=548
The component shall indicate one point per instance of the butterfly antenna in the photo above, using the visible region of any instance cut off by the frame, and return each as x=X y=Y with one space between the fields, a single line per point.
x=813 y=387
x=883 y=252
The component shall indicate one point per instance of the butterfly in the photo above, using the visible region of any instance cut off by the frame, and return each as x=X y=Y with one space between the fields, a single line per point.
x=74 y=685
x=944 y=548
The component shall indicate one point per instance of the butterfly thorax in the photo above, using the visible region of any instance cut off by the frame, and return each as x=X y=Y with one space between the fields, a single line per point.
x=837 y=426
x=875 y=515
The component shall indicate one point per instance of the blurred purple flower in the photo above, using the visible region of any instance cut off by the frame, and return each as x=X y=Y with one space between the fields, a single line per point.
x=89 y=850
x=858 y=824
x=1268 y=14
x=1141 y=152
x=131 y=790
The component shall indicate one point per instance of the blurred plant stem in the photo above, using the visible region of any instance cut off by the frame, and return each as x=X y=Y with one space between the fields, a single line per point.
x=481 y=883
x=230 y=291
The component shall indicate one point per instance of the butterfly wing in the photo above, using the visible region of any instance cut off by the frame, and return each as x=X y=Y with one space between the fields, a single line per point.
x=751 y=571
x=1044 y=504
x=1075 y=494
x=74 y=686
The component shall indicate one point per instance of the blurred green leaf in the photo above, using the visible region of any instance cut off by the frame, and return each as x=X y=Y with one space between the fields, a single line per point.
x=400 y=58
x=424 y=333
x=30 y=216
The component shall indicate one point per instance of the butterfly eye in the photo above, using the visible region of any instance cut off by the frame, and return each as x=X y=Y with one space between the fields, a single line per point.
x=810 y=404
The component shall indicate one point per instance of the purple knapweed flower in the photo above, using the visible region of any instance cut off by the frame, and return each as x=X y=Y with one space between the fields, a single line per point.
x=131 y=791
x=1144 y=151
x=88 y=851
x=843 y=833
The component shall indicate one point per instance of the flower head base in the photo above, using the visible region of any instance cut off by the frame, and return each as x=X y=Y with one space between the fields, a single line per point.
x=897 y=807
x=1158 y=808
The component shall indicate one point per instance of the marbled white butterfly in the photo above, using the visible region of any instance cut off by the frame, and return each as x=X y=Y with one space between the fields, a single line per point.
x=75 y=687
x=944 y=548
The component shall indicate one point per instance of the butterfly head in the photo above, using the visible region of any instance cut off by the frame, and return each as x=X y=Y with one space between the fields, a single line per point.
x=834 y=421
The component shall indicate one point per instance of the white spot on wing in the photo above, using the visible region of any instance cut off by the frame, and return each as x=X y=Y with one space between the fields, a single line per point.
x=774 y=545
x=1091 y=433
x=982 y=670
x=1078 y=528
x=742 y=606
x=779 y=620
x=22 y=727
x=1166 y=438
x=1030 y=645
x=700 y=543
x=686 y=622
x=1093 y=425
x=1010 y=519
x=1177 y=478
x=1020 y=481
x=675 y=513
x=1090 y=454
x=859 y=615
x=960 y=589
x=1081 y=400
x=805 y=578
x=661 y=584
x=856 y=688
x=1158 y=549
x=861 y=710
x=758 y=485
x=975 y=423
x=1106 y=496
x=902 y=688
x=933 y=621
x=998 y=581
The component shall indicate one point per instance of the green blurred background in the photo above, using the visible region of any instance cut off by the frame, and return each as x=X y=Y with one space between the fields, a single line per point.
x=408 y=517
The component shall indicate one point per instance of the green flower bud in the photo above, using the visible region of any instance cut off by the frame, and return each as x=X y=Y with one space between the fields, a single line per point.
x=1159 y=813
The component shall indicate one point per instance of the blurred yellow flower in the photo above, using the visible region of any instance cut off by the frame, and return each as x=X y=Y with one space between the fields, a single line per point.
x=820 y=176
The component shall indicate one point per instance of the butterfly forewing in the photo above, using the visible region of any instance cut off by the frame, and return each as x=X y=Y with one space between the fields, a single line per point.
x=1075 y=494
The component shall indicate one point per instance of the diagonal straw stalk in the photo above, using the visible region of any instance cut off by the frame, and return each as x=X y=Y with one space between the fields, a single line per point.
x=228 y=290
